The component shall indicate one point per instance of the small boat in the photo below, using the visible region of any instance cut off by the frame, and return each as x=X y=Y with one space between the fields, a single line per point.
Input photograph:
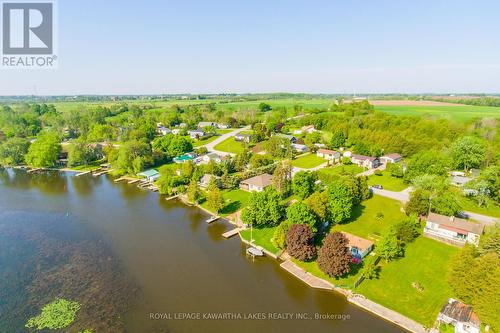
x=255 y=252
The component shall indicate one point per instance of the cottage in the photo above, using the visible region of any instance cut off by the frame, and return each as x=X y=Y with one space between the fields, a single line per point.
x=460 y=316
x=328 y=154
x=308 y=129
x=243 y=137
x=459 y=180
x=151 y=175
x=299 y=148
x=452 y=230
x=257 y=183
x=196 y=134
x=211 y=157
x=359 y=247
x=205 y=180
x=391 y=158
x=203 y=124
x=365 y=161
x=163 y=130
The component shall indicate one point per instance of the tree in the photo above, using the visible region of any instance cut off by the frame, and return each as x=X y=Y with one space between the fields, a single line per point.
x=318 y=202
x=264 y=107
x=282 y=176
x=56 y=315
x=338 y=139
x=241 y=160
x=257 y=161
x=300 y=213
x=215 y=201
x=264 y=209
x=279 y=235
x=303 y=184
x=446 y=204
x=81 y=153
x=396 y=170
x=340 y=201
x=193 y=192
x=300 y=242
x=468 y=152
x=389 y=247
x=45 y=151
x=418 y=203
x=13 y=150
x=370 y=270
x=132 y=157
x=172 y=145
x=334 y=256
x=431 y=162
x=407 y=229
x=490 y=241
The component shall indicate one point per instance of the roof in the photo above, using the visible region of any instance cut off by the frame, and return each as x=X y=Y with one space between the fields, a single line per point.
x=206 y=123
x=460 y=180
x=286 y=136
x=212 y=155
x=260 y=181
x=355 y=241
x=363 y=157
x=148 y=173
x=327 y=151
x=205 y=179
x=393 y=156
x=460 y=312
x=455 y=223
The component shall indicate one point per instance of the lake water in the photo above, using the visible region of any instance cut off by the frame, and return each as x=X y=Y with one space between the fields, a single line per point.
x=139 y=263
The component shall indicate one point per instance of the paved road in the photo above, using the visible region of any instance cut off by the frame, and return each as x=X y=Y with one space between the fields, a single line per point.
x=404 y=196
x=211 y=145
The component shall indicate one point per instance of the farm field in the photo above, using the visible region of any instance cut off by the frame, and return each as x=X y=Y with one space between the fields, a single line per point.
x=457 y=112
x=425 y=264
x=387 y=181
x=230 y=145
x=308 y=161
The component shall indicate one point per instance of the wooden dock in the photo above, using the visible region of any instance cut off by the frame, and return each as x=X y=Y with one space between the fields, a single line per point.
x=125 y=178
x=231 y=233
x=34 y=170
x=133 y=181
x=83 y=173
x=212 y=219
x=306 y=277
x=172 y=197
x=102 y=172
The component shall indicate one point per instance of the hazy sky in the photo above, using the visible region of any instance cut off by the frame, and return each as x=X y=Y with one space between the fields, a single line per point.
x=141 y=47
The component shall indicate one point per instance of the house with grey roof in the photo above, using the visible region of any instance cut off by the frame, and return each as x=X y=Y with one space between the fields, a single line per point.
x=452 y=230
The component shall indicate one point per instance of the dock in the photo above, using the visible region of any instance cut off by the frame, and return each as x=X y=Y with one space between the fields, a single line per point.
x=83 y=173
x=125 y=178
x=34 y=170
x=231 y=233
x=212 y=219
x=133 y=181
x=102 y=172
x=306 y=277
x=172 y=197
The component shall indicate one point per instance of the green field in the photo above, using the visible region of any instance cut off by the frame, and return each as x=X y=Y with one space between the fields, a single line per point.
x=235 y=200
x=364 y=221
x=458 y=112
x=350 y=169
x=387 y=181
x=469 y=204
x=308 y=161
x=262 y=237
x=230 y=145
x=426 y=262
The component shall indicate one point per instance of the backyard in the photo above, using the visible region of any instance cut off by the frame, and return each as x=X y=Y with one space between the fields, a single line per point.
x=346 y=281
x=349 y=169
x=308 y=161
x=415 y=285
x=230 y=145
x=262 y=237
x=387 y=181
x=203 y=142
x=235 y=200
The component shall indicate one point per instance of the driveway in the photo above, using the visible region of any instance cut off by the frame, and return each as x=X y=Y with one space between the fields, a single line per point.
x=370 y=172
x=210 y=146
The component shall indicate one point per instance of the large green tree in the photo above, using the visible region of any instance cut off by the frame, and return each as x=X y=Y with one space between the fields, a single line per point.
x=13 y=150
x=340 y=201
x=264 y=209
x=303 y=184
x=300 y=213
x=468 y=152
x=45 y=151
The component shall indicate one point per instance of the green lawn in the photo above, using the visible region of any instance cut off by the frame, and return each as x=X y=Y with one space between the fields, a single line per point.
x=364 y=221
x=350 y=169
x=230 y=145
x=235 y=200
x=469 y=204
x=262 y=237
x=387 y=181
x=426 y=262
x=455 y=112
x=342 y=282
x=308 y=161
x=210 y=139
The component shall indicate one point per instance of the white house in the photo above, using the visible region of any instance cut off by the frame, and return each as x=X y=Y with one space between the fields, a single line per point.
x=299 y=148
x=163 y=130
x=196 y=134
x=257 y=183
x=223 y=126
x=203 y=124
x=365 y=161
x=359 y=247
x=391 y=158
x=452 y=230
x=460 y=316
x=211 y=157
x=328 y=154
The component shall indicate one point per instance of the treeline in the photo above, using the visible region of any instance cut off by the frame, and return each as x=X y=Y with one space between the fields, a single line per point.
x=479 y=101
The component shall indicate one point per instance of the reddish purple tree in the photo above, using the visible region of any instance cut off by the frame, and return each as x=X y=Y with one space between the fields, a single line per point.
x=300 y=242
x=334 y=256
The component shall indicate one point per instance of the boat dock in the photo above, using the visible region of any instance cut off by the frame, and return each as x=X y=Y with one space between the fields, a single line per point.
x=212 y=219
x=101 y=172
x=125 y=178
x=83 y=173
x=306 y=277
x=34 y=170
x=172 y=197
x=133 y=181
x=231 y=233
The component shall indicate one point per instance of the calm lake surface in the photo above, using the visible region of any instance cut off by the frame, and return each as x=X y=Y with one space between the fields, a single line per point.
x=127 y=254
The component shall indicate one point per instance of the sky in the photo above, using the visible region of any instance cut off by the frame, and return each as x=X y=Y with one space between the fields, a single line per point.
x=358 y=46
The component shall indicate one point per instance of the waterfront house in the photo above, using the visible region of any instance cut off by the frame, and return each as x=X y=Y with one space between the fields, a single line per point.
x=196 y=134
x=151 y=175
x=243 y=137
x=328 y=154
x=299 y=148
x=365 y=161
x=391 y=158
x=205 y=180
x=452 y=230
x=460 y=316
x=257 y=183
x=358 y=246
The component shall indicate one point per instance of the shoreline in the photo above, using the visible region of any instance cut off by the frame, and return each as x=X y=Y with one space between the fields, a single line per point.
x=356 y=299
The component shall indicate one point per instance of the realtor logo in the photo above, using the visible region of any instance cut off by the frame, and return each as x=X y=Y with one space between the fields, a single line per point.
x=28 y=34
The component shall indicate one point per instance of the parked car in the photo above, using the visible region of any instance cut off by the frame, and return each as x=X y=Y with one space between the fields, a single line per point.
x=378 y=187
x=462 y=215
